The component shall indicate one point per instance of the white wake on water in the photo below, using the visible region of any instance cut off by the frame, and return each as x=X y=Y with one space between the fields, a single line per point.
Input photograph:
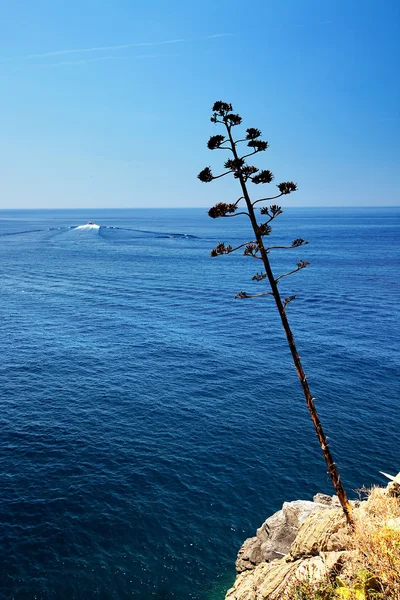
x=88 y=226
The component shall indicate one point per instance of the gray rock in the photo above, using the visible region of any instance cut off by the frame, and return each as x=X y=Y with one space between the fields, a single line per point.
x=276 y=535
x=331 y=501
x=278 y=532
x=249 y=555
x=323 y=499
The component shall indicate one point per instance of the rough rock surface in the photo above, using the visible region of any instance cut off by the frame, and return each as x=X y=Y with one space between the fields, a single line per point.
x=327 y=500
x=323 y=499
x=323 y=531
x=302 y=541
x=249 y=555
x=276 y=535
x=270 y=581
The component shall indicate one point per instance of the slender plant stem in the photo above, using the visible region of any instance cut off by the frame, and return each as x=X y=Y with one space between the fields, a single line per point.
x=332 y=468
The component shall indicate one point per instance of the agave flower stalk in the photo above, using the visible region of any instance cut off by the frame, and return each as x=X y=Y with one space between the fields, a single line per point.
x=258 y=249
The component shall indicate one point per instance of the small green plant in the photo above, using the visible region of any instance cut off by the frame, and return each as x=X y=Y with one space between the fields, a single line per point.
x=366 y=587
x=258 y=249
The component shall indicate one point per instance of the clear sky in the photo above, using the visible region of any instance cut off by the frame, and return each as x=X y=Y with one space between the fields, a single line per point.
x=107 y=103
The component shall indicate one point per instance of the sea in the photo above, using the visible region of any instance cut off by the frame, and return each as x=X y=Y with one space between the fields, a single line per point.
x=150 y=421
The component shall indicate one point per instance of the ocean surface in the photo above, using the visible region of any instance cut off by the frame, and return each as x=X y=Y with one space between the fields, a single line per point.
x=150 y=422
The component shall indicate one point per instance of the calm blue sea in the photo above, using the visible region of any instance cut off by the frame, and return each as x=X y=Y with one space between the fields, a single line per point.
x=150 y=422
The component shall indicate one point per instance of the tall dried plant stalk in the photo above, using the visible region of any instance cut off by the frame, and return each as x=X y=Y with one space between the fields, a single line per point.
x=256 y=248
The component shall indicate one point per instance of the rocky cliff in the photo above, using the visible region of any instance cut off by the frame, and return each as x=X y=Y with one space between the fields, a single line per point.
x=311 y=542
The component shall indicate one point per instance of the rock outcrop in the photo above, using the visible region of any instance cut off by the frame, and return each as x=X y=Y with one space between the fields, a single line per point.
x=323 y=531
x=276 y=535
x=302 y=541
x=307 y=548
x=270 y=581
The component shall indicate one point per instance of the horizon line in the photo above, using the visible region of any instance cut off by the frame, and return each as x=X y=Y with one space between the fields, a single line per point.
x=195 y=207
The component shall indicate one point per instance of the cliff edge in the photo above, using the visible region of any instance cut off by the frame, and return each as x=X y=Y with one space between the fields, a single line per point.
x=307 y=546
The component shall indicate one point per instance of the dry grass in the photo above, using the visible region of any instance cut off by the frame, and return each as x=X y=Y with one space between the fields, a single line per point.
x=307 y=590
x=376 y=540
x=372 y=567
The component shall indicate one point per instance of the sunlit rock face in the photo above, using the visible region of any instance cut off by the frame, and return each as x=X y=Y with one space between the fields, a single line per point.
x=303 y=541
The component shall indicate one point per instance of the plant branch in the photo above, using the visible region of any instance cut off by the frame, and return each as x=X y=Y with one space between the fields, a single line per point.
x=284 y=247
x=243 y=295
x=300 y=265
x=288 y=300
x=241 y=245
x=287 y=274
x=222 y=175
x=236 y=215
x=251 y=154
x=266 y=199
x=259 y=276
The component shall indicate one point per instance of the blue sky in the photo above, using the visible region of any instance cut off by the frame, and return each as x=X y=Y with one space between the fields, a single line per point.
x=107 y=104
